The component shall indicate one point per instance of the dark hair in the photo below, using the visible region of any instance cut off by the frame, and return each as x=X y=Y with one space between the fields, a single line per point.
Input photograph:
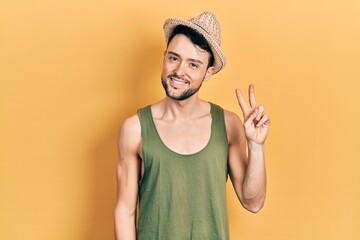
x=195 y=37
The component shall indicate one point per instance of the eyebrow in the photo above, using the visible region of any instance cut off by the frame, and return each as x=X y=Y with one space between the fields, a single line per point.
x=191 y=59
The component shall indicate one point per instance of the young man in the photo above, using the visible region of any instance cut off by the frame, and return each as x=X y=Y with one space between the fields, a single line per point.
x=175 y=155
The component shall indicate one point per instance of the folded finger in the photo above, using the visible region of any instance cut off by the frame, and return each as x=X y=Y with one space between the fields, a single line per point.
x=260 y=113
x=265 y=120
x=250 y=120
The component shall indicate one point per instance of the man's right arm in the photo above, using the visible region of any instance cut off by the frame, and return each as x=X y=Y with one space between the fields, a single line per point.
x=128 y=174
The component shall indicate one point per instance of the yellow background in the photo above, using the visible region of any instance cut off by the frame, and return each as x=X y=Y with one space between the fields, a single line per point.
x=72 y=70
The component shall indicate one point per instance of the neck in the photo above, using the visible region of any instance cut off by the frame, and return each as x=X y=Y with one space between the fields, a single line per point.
x=182 y=110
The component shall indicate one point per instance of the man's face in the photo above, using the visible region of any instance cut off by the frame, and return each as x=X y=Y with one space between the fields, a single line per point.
x=184 y=68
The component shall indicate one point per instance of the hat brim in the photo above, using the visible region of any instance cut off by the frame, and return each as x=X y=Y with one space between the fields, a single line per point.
x=219 y=56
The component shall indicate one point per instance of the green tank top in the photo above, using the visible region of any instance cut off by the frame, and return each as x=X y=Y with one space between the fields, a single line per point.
x=183 y=197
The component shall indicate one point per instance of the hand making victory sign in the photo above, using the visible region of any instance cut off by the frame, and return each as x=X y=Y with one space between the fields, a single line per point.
x=256 y=123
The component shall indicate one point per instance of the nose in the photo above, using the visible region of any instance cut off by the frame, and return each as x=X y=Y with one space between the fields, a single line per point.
x=180 y=69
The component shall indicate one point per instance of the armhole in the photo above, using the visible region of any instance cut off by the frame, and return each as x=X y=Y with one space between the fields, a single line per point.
x=141 y=115
x=223 y=132
x=220 y=117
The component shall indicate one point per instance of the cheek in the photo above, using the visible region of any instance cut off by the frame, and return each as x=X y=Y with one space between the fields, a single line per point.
x=199 y=74
x=167 y=66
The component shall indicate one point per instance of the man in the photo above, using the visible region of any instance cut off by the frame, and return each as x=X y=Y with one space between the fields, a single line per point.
x=175 y=155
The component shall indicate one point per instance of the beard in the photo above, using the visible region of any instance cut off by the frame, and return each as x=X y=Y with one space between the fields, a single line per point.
x=184 y=95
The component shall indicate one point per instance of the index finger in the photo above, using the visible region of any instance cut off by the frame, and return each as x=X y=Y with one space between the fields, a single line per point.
x=241 y=101
x=252 y=96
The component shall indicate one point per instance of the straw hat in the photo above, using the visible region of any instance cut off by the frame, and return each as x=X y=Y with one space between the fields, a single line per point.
x=208 y=26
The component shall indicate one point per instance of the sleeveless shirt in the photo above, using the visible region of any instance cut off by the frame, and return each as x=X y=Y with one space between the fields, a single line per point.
x=183 y=196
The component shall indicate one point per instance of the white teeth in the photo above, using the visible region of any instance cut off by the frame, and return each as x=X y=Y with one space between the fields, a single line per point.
x=177 y=81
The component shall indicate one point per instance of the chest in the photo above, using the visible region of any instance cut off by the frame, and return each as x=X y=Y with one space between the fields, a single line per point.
x=185 y=137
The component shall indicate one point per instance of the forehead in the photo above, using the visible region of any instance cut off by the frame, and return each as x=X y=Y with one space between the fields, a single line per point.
x=182 y=45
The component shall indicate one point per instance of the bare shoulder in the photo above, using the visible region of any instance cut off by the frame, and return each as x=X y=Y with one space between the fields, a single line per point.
x=231 y=119
x=131 y=124
x=130 y=132
x=233 y=125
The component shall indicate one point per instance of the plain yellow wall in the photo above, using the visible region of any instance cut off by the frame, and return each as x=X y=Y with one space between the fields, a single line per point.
x=72 y=70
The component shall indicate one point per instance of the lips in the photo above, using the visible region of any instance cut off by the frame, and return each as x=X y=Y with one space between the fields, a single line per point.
x=178 y=83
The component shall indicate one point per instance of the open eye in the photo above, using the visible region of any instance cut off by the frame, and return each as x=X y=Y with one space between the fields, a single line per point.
x=194 y=65
x=173 y=59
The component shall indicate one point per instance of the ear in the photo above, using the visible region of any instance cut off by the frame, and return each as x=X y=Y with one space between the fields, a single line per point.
x=209 y=73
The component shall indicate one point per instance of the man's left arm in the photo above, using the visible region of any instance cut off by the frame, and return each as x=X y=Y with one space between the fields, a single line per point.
x=247 y=171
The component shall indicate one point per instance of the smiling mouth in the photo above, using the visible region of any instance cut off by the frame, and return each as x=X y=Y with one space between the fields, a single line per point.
x=178 y=80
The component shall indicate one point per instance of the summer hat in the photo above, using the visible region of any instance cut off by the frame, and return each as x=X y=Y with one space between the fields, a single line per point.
x=208 y=26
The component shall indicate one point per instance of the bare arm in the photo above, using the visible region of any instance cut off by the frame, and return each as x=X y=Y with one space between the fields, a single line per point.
x=248 y=173
x=128 y=174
